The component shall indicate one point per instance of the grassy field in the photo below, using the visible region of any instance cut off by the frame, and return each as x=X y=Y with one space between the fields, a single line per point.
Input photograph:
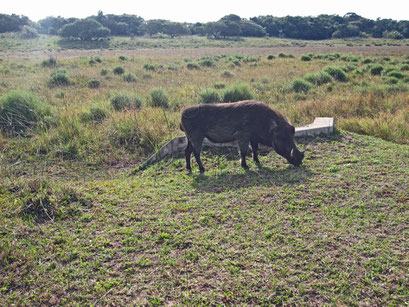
x=79 y=227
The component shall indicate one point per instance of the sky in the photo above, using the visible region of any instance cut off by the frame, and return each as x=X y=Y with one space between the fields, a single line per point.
x=205 y=11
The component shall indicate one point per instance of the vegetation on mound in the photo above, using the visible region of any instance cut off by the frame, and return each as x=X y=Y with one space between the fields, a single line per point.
x=333 y=230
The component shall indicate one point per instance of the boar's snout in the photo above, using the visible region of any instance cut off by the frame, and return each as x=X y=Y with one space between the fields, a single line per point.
x=296 y=157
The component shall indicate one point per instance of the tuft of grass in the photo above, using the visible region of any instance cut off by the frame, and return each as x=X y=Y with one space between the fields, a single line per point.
x=159 y=98
x=300 y=86
x=238 y=91
x=95 y=114
x=59 y=78
x=22 y=111
x=123 y=100
x=376 y=69
x=94 y=83
x=209 y=95
x=119 y=70
x=50 y=62
x=129 y=77
x=319 y=78
x=336 y=72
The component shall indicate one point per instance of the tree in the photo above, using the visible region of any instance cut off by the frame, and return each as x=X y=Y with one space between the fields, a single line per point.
x=13 y=23
x=155 y=26
x=174 y=28
x=85 y=29
x=52 y=25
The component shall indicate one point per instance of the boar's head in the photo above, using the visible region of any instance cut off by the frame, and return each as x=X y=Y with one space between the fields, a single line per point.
x=284 y=145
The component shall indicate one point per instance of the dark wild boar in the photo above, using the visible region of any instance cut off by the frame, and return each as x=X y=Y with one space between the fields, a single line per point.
x=247 y=122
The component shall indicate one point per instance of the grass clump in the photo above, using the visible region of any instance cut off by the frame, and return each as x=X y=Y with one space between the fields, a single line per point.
x=300 y=86
x=59 y=78
x=238 y=91
x=376 y=69
x=51 y=62
x=209 y=95
x=192 y=66
x=21 y=111
x=122 y=100
x=305 y=58
x=227 y=74
x=395 y=74
x=219 y=85
x=271 y=57
x=319 y=78
x=95 y=114
x=336 y=72
x=129 y=77
x=159 y=98
x=118 y=70
x=94 y=83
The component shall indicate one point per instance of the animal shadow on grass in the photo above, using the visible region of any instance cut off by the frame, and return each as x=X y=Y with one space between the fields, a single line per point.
x=264 y=175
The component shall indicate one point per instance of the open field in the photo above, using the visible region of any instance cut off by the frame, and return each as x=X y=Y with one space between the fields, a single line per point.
x=79 y=227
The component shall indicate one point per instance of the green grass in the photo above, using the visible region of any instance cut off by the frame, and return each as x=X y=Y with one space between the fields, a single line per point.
x=333 y=231
x=76 y=228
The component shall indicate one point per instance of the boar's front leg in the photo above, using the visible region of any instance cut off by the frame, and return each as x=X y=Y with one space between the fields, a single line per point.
x=244 y=146
x=188 y=153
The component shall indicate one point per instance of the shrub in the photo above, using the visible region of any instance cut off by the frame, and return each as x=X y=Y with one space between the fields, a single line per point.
x=376 y=69
x=238 y=91
x=404 y=67
x=118 y=70
x=271 y=57
x=149 y=67
x=300 y=86
x=122 y=58
x=20 y=111
x=129 y=77
x=159 y=98
x=336 y=72
x=219 y=85
x=368 y=60
x=192 y=66
x=209 y=96
x=94 y=83
x=395 y=74
x=319 y=78
x=95 y=114
x=51 y=62
x=28 y=32
x=305 y=57
x=59 y=78
x=104 y=72
x=391 y=80
x=206 y=62
x=124 y=101
x=227 y=74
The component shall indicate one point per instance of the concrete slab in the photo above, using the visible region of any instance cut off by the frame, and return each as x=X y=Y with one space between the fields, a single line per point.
x=321 y=125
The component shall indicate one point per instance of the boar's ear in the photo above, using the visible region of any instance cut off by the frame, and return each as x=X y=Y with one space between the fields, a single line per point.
x=272 y=127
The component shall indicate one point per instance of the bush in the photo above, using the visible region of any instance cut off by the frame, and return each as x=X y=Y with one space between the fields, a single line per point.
x=319 y=78
x=94 y=83
x=271 y=57
x=192 y=66
x=206 y=62
x=227 y=74
x=95 y=114
x=122 y=58
x=368 y=60
x=20 y=111
x=129 y=77
x=118 y=70
x=404 y=67
x=219 y=85
x=391 y=80
x=104 y=72
x=396 y=74
x=28 y=32
x=336 y=72
x=305 y=57
x=159 y=98
x=376 y=69
x=59 y=78
x=300 y=86
x=124 y=101
x=238 y=91
x=209 y=96
x=149 y=67
x=51 y=62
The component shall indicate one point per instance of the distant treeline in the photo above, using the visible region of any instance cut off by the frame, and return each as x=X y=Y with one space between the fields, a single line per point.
x=309 y=28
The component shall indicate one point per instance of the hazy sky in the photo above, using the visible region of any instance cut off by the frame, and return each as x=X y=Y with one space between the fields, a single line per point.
x=207 y=10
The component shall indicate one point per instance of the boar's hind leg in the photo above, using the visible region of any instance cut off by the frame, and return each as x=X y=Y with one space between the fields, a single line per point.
x=195 y=146
x=254 y=147
x=188 y=153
